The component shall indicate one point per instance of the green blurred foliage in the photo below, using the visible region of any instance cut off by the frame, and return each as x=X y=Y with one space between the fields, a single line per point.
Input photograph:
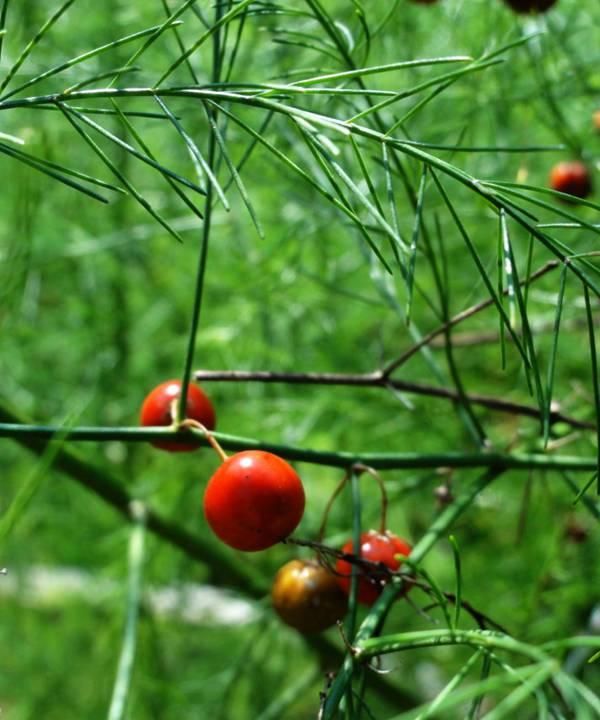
x=95 y=307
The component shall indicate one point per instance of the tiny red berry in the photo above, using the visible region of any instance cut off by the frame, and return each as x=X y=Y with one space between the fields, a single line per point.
x=572 y=178
x=254 y=500
x=375 y=547
x=307 y=597
x=530 y=6
x=157 y=411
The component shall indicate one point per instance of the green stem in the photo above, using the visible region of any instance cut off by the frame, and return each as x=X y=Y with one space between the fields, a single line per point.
x=380 y=461
x=486 y=639
x=126 y=660
x=380 y=609
x=206 y=227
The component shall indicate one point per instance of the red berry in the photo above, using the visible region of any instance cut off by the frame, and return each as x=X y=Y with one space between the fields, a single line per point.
x=572 y=178
x=157 y=411
x=530 y=6
x=376 y=548
x=254 y=500
x=307 y=597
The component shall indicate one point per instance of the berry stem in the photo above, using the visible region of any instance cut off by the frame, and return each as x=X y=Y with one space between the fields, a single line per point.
x=384 y=499
x=189 y=423
x=356 y=469
x=329 y=505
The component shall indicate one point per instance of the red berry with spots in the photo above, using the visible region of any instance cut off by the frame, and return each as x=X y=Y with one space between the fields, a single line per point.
x=254 y=500
x=157 y=411
x=572 y=178
x=375 y=547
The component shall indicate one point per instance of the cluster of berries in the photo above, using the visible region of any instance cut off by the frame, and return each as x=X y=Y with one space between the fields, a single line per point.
x=255 y=499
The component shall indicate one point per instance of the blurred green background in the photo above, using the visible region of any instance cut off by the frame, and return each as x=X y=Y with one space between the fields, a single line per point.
x=95 y=308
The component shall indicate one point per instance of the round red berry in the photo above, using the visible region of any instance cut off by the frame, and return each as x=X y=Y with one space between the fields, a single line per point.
x=572 y=178
x=254 y=500
x=375 y=547
x=307 y=597
x=157 y=410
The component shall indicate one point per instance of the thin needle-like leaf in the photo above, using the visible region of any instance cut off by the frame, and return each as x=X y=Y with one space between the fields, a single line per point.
x=502 y=336
x=174 y=186
x=378 y=69
x=366 y=175
x=529 y=270
x=106 y=160
x=321 y=48
x=412 y=260
x=436 y=591
x=41 y=167
x=585 y=488
x=73 y=173
x=251 y=146
x=181 y=46
x=234 y=173
x=458 y=574
x=486 y=667
x=101 y=76
x=570 y=685
x=11 y=138
x=317 y=152
x=362 y=198
x=449 y=688
x=290 y=164
x=3 y=24
x=481 y=269
x=517 y=191
x=168 y=23
x=122 y=686
x=373 y=193
x=507 y=269
x=86 y=56
x=553 y=349
x=33 y=42
x=215 y=27
x=130 y=149
x=87 y=111
x=580 y=494
x=519 y=696
x=440 y=80
x=28 y=489
x=419 y=106
x=389 y=184
x=202 y=166
x=595 y=380
x=526 y=327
